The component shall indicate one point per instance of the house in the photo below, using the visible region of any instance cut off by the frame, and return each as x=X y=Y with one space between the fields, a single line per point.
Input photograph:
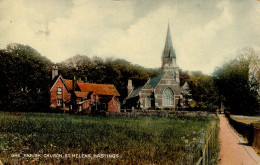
x=60 y=92
x=162 y=91
x=68 y=94
x=99 y=96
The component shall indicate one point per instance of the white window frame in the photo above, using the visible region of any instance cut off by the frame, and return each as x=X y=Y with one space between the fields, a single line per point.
x=59 y=90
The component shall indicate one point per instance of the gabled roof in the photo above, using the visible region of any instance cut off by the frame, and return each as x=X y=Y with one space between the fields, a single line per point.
x=69 y=84
x=63 y=81
x=81 y=94
x=135 y=92
x=154 y=81
x=169 y=52
x=100 y=89
x=185 y=86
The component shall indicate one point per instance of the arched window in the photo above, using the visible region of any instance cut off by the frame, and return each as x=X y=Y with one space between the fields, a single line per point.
x=147 y=102
x=168 y=97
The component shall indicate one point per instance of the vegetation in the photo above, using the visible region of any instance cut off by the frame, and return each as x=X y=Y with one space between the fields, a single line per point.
x=246 y=120
x=25 y=78
x=108 y=71
x=139 y=140
x=202 y=89
x=236 y=81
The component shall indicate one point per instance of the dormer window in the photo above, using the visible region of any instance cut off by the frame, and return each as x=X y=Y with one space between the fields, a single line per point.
x=59 y=90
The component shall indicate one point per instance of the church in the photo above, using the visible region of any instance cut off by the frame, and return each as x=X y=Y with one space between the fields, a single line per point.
x=162 y=91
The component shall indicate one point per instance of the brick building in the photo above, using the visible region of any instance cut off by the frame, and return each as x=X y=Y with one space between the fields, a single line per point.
x=75 y=95
x=162 y=91
x=60 y=93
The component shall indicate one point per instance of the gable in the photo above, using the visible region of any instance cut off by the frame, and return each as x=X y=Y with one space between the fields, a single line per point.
x=135 y=92
x=59 y=80
x=168 y=75
x=154 y=81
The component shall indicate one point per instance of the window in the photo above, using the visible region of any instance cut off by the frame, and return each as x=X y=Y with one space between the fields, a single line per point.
x=147 y=102
x=59 y=90
x=59 y=101
x=168 y=97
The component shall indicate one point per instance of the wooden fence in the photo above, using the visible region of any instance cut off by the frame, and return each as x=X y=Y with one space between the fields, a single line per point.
x=209 y=150
x=256 y=141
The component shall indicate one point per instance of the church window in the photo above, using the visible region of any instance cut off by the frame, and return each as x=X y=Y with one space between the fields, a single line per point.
x=168 y=97
x=147 y=102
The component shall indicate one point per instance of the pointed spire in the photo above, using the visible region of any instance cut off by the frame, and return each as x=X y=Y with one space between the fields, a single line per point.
x=168 y=49
x=168 y=55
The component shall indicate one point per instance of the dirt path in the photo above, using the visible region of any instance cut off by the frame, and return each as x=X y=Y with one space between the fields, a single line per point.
x=232 y=151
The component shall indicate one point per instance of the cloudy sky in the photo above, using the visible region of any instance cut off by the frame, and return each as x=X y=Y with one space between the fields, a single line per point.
x=205 y=33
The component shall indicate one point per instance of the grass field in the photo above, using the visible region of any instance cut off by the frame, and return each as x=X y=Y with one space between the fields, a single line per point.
x=136 y=140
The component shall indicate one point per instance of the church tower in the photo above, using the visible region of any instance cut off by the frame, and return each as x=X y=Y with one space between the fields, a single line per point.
x=169 y=57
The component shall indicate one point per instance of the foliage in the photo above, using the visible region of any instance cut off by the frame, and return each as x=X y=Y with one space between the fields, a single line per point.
x=108 y=71
x=139 y=140
x=202 y=89
x=24 y=75
x=232 y=81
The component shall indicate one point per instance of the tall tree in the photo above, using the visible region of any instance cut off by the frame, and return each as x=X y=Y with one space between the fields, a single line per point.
x=25 y=78
x=232 y=80
x=203 y=91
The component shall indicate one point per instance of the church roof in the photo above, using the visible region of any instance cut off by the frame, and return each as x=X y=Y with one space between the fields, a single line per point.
x=154 y=81
x=135 y=92
x=169 y=52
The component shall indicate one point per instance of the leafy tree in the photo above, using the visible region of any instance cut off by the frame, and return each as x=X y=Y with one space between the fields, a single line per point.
x=25 y=78
x=232 y=80
x=108 y=71
x=203 y=91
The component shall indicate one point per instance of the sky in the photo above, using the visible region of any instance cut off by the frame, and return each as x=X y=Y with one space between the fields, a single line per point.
x=205 y=33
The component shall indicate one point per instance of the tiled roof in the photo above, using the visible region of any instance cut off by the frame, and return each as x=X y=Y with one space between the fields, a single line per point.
x=69 y=84
x=156 y=79
x=101 y=89
x=81 y=94
x=135 y=92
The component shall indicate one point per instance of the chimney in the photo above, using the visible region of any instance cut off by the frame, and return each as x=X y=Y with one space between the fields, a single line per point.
x=54 y=71
x=129 y=87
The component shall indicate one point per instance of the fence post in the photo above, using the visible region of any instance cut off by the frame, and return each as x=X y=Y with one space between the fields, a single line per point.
x=251 y=134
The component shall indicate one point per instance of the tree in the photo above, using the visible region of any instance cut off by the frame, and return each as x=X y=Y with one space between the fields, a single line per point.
x=203 y=91
x=109 y=71
x=232 y=81
x=25 y=78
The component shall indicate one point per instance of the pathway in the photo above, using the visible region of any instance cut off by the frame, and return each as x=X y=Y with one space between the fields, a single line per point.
x=232 y=151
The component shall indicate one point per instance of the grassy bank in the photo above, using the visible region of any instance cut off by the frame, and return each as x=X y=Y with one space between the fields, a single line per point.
x=246 y=120
x=137 y=140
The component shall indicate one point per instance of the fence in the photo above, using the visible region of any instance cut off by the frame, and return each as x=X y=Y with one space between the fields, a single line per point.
x=256 y=141
x=209 y=151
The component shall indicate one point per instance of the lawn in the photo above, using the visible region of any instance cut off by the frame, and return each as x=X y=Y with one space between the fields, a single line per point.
x=133 y=140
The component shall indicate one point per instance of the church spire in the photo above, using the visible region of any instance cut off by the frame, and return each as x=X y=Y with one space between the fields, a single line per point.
x=168 y=56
